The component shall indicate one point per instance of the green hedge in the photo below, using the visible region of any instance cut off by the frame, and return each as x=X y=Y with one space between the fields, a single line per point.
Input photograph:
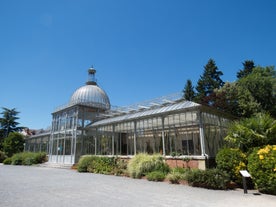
x=102 y=165
x=210 y=178
x=231 y=161
x=262 y=167
x=156 y=176
x=142 y=164
x=26 y=158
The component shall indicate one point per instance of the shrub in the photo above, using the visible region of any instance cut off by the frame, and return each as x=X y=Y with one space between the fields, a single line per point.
x=141 y=164
x=262 y=167
x=231 y=161
x=17 y=159
x=156 y=176
x=2 y=156
x=41 y=157
x=102 y=165
x=14 y=143
x=28 y=158
x=84 y=163
x=175 y=176
x=120 y=167
x=7 y=161
x=210 y=178
x=256 y=131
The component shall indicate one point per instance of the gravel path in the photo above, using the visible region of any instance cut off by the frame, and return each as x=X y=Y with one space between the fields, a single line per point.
x=40 y=186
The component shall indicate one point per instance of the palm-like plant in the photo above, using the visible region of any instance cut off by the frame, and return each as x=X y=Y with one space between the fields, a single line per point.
x=256 y=131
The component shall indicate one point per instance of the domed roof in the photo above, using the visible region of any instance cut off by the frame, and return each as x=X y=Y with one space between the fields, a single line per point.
x=91 y=94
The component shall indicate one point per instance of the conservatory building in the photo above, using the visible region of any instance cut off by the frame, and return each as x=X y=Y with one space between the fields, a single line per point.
x=168 y=125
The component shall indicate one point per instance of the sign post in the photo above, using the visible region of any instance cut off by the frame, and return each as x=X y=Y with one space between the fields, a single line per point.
x=245 y=174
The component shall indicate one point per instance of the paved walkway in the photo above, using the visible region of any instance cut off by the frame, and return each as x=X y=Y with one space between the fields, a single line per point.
x=39 y=186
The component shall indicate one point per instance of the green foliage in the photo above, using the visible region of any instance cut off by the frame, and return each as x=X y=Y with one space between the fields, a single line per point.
x=189 y=93
x=102 y=165
x=141 y=164
x=17 y=159
x=210 y=178
x=232 y=161
x=28 y=158
x=7 y=161
x=14 y=143
x=225 y=99
x=8 y=122
x=177 y=174
x=156 y=176
x=248 y=66
x=84 y=163
x=2 y=156
x=256 y=92
x=248 y=133
x=208 y=82
x=262 y=167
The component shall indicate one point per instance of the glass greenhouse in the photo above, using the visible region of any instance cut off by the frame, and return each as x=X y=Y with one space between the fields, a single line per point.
x=167 y=125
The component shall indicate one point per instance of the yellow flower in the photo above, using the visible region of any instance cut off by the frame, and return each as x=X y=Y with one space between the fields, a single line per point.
x=261 y=157
x=264 y=150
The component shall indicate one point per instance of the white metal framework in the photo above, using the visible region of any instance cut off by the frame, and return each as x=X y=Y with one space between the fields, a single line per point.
x=167 y=125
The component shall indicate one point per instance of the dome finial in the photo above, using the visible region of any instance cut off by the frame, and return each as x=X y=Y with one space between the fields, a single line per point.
x=91 y=76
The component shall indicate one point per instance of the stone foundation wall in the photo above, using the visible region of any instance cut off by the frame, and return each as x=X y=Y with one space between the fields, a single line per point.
x=192 y=164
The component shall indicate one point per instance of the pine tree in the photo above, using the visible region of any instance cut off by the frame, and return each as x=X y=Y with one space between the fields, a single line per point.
x=248 y=66
x=208 y=82
x=188 y=92
x=8 y=122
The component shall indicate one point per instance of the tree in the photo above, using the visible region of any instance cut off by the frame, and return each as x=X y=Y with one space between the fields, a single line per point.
x=208 y=82
x=189 y=93
x=256 y=91
x=8 y=122
x=256 y=131
x=225 y=99
x=14 y=143
x=248 y=66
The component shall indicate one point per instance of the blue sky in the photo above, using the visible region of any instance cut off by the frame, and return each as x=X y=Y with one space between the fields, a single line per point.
x=141 y=49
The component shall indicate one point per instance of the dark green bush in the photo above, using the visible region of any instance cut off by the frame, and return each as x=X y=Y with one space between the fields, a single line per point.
x=231 y=161
x=17 y=159
x=84 y=163
x=156 y=176
x=262 y=167
x=28 y=158
x=142 y=163
x=7 y=161
x=2 y=156
x=210 y=178
x=14 y=143
x=102 y=165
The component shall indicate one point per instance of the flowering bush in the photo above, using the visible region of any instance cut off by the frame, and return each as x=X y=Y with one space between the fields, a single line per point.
x=232 y=161
x=262 y=167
